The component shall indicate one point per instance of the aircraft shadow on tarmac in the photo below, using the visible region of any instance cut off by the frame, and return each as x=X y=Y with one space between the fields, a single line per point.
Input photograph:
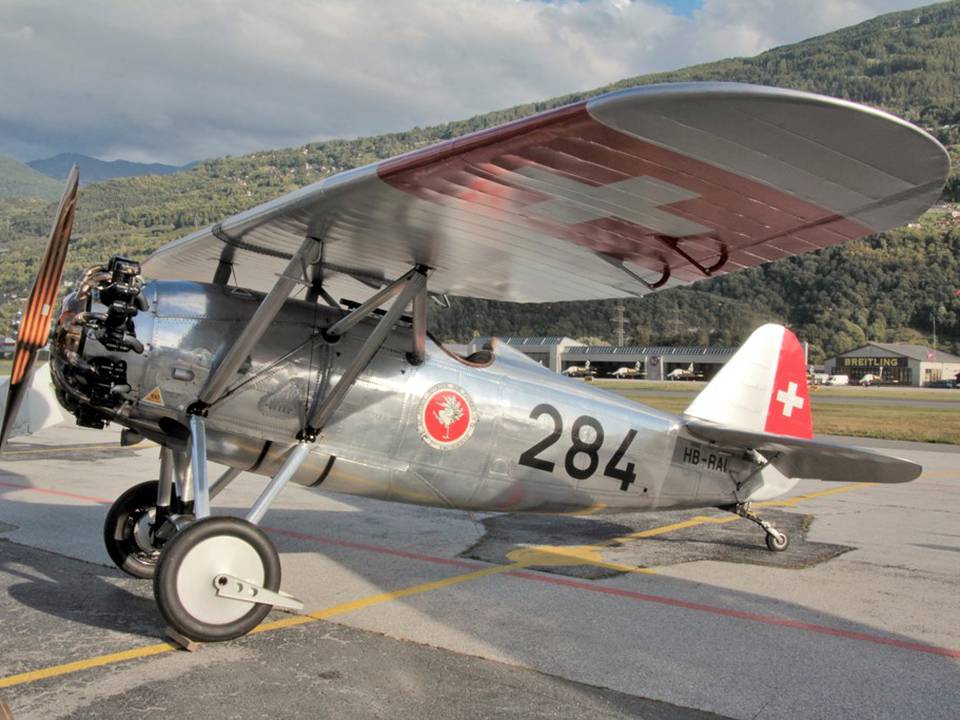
x=736 y=541
x=78 y=591
x=101 y=597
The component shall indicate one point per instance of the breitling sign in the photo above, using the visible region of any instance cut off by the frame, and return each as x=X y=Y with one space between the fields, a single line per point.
x=871 y=362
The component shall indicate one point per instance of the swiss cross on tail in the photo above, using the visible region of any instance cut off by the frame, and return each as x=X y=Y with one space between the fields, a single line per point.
x=789 y=409
x=762 y=389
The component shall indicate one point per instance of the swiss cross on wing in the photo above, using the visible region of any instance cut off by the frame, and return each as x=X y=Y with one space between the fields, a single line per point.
x=638 y=219
x=637 y=200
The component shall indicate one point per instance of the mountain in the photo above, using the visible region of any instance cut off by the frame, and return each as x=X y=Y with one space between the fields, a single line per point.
x=17 y=180
x=885 y=288
x=93 y=170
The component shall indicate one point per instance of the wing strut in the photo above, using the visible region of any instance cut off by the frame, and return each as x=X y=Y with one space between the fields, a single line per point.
x=410 y=287
x=227 y=368
x=269 y=307
x=349 y=320
x=419 y=327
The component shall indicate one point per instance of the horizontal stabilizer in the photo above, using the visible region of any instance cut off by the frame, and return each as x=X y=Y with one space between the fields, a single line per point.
x=812 y=459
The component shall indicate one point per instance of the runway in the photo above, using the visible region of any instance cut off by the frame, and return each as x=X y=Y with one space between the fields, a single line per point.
x=415 y=612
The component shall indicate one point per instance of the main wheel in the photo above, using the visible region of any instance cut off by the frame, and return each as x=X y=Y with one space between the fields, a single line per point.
x=128 y=530
x=184 y=583
x=775 y=544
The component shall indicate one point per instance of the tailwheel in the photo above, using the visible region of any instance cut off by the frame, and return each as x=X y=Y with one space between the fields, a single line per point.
x=778 y=542
x=129 y=530
x=211 y=576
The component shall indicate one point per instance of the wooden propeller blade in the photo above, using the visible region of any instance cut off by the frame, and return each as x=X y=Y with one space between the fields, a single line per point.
x=38 y=313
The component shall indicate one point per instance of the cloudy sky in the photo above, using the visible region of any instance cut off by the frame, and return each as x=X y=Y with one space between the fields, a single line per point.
x=179 y=80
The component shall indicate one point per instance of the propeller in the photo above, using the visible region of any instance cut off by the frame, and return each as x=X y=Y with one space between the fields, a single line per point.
x=38 y=312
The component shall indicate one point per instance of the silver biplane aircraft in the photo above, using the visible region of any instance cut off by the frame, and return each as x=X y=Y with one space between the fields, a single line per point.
x=259 y=343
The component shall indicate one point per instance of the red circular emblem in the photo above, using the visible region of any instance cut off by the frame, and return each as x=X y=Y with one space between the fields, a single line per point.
x=446 y=417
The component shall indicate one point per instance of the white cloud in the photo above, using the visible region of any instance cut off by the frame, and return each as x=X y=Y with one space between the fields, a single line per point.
x=186 y=79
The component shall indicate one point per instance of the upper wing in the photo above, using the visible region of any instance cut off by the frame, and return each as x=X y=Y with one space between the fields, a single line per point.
x=620 y=195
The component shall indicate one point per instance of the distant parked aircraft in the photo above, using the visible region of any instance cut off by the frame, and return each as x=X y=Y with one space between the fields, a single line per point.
x=628 y=371
x=579 y=370
x=686 y=373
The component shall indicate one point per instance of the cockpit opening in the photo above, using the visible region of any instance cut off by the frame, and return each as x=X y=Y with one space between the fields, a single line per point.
x=483 y=357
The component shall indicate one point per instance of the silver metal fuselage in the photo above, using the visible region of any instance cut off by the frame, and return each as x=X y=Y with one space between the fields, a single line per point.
x=374 y=447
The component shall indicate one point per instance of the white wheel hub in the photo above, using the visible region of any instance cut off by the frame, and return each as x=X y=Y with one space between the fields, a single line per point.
x=214 y=556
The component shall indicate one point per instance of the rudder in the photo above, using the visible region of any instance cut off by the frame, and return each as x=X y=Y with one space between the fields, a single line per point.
x=763 y=388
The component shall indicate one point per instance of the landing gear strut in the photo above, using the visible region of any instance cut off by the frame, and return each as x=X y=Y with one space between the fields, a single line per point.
x=218 y=577
x=776 y=540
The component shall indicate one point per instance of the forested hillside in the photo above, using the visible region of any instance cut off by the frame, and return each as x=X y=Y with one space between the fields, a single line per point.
x=884 y=288
x=18 y=180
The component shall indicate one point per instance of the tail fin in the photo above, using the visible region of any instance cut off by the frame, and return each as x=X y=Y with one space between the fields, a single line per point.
x=762 y=389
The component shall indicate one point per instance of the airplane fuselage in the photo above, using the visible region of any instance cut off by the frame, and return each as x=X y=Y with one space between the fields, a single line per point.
x=495 y=431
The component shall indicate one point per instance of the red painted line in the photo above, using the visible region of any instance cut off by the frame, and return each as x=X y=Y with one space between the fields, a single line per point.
x=61 y=493
x=581 y=585
x=375 y=548
x=739 y=614
x=324 y=540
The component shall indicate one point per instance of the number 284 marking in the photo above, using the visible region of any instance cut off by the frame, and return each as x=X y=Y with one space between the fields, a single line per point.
x=576 y=468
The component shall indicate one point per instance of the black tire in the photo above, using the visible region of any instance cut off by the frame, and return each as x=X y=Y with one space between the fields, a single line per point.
x=118 y=528
x=775 y=545
x=172 y=559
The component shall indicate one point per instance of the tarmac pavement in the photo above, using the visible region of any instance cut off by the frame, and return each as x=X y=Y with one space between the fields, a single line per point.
x=414 y=612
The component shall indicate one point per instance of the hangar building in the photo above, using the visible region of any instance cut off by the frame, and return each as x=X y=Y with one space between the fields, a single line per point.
x=914 y=365
x=656 y=361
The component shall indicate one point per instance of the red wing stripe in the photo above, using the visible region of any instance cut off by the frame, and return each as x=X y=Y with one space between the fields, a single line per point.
x=751 y=221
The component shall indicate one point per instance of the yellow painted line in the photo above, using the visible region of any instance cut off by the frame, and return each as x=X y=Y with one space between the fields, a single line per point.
x=790 y=502
x=56 y=449
x=723 y=519
x=381 y=598
x=592 y=510
x=351 y=606
x=683 y=525
x=940 y=473
x=99 y=661
x=568 y=555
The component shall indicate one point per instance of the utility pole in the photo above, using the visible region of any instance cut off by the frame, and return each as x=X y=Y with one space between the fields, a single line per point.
x=620 y=320
x=933 y=316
